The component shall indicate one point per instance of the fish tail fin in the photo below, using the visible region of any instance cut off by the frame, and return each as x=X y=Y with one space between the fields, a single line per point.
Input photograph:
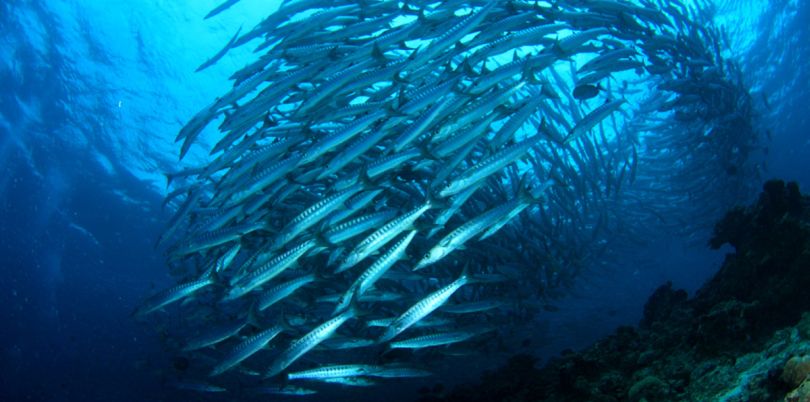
x=254 y=316
x=530 y=76
x=425 y=151
x=344 y=302
x=335 y=256
x=401 y=78
x=169 y=178
x=136 y=312
x=467 y=68
x=532 y=193
x=269 y=121
x=284 y=323
x=432 y=199
x=407 y=8
x=421 y=17
x=364 y=178
x=465 y=273
x=214 y=277
x=522 y=188
x=378 y=54
x=321 y=242
x=469 y=277
x=354 y=308
x=320 y=274
x=210 y=273
x=267 y=226
x=426 y=227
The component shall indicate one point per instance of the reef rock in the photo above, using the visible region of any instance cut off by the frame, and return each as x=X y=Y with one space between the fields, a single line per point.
x=745 y=336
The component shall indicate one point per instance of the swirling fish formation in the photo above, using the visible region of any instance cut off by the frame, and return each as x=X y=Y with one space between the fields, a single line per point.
x=414 y=176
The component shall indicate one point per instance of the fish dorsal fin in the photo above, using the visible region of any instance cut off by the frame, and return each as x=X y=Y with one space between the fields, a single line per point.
x=377 y=53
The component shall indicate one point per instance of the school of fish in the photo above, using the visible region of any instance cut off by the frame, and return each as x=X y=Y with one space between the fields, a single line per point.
x=396 y=182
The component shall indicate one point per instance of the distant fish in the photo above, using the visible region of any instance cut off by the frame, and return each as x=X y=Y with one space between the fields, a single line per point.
x=198 y=386
x=304 y=344
x=586 y=91
x=220 y=8
x=437 y=339
x=593 y=118
x=173 y=294
x=320 y=373
x=215 y=335
x=215 y=58
x=285 y=389
x=351 y=381
x=245 y=349
x=423 y=307
x=367 y=279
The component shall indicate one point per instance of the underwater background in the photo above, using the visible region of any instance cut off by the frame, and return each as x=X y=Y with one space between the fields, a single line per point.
x=93 y=96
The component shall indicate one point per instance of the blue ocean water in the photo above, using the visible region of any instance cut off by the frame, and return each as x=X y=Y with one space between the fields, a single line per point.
x=93 y=94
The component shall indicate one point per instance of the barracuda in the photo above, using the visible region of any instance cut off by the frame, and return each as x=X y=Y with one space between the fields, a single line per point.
x=268 y=270
x=216 y=237
x=312 y=215
x=489 y=166
x=332 y=141
x=427 y=341
x=455 y=33
x=282 y=291
x=374 y=272
x=353 y=205
x=261 y=180
x=592 y=119
x=422 y=308
x=461 y=234
x=302 y=345
x=382 y=236
x=245 y=349
x=346 y=370
x=357 y=226
x=421 y=124
x=173 y=294
x=215 y=335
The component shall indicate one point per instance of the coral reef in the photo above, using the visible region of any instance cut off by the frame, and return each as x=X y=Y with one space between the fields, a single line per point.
x=744 y=336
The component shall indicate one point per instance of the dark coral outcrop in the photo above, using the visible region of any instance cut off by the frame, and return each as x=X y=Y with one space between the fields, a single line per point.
x=744 y=336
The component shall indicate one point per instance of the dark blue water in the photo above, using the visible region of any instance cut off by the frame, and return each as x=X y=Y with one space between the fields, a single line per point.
x=92 y=95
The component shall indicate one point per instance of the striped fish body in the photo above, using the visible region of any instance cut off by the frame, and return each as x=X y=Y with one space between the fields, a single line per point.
x=382 y=236
x=489 y=166
x=172 y=295
x=313 y=215
x=347 y=370
x=422 y=308
x=268 y=270
x=426 y=341
x=304 y=344
x=592 y=119
x=217 y=237
x=215 y=336
x=375 y=271
x=246 y=349
x=282 y=291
